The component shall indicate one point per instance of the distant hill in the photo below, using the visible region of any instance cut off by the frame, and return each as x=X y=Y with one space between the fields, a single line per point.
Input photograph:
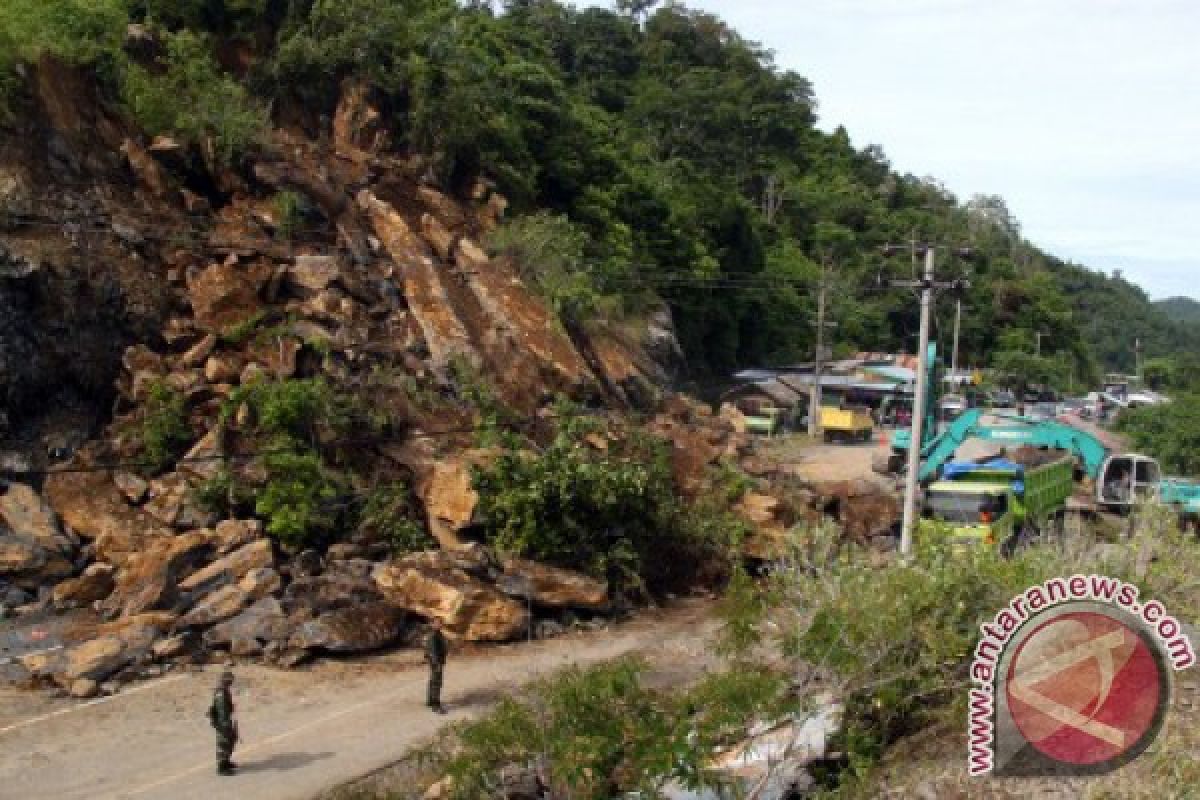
x=1180 y=309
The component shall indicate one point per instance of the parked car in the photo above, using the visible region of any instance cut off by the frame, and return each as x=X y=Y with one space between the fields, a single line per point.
x=953 y=406
x=1003 y=398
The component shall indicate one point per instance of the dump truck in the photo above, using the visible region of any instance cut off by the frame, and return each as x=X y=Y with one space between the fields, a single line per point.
x=1002 y=501
x=847 y=424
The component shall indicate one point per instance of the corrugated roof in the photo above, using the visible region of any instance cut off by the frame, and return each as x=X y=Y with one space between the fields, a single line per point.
x=894 y=373
x=774 y=389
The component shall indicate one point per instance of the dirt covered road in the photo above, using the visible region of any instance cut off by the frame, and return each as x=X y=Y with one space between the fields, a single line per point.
x=303 y=732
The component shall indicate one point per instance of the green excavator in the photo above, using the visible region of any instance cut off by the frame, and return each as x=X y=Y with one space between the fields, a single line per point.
x=1120 y=479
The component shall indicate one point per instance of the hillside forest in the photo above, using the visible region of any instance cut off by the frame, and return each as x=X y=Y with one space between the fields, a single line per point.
x=650 y=154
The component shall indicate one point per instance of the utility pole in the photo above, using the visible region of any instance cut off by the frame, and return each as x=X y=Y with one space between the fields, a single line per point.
x=918 y=415
x=814 y=395
x=954 y=351
x=1039 y=336
x=928 y=286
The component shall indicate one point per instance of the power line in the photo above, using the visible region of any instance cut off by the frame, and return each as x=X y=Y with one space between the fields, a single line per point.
x=335 y=443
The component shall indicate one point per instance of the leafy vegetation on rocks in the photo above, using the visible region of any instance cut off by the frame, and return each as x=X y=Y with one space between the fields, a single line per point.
x=389 y=514
x=613 y=514
x=190 y=97
x=164 y=432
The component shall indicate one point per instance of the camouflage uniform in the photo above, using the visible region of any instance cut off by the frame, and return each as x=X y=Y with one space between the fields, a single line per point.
x=435 y=655
x=220 y=714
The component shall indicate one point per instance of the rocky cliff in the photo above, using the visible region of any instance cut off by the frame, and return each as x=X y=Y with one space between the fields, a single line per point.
x=147 y=293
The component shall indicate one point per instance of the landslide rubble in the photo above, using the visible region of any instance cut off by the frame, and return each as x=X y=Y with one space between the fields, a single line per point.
x=189 y=294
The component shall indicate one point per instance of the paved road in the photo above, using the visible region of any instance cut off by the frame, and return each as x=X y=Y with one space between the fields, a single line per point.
x=303 y=732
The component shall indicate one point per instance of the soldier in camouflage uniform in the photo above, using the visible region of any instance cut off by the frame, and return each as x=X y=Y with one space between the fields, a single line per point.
x=220 y=714
x=435 y=656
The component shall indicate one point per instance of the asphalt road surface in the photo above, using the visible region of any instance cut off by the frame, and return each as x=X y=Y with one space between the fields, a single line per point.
x=302 y=732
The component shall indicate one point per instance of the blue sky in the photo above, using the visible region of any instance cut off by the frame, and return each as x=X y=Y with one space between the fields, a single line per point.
x=1083 y=114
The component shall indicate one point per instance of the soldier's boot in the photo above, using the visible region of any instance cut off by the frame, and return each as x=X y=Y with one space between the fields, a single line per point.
x=433 y=697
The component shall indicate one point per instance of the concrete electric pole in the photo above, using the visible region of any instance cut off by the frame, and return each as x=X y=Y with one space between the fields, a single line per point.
x=928 y=287
x=814 y=395
x=954 y=351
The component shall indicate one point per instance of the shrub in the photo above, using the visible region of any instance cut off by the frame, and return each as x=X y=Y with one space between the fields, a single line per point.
x=193 y=99
x=1171 y=432
x=289 y=213
x=389 y=513
x=601 y=733
x=613 y=515
x=164 y=432
x=900 y=639
x=297 y=500
x=291 y=409
x=548 y=252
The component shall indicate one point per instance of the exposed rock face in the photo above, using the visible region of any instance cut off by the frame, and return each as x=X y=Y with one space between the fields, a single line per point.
x=551 y=587
x=430 y=585
x=227 y=293
x=425 y=287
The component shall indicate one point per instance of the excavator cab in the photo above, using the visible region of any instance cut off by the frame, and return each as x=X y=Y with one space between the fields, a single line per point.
x=1125 y=480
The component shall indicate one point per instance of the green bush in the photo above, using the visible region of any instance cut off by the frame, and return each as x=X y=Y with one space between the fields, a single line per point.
x=1171 y=432
x=239 y=333
x=193 y=99
x=548 y=252
x=601 y=733
x=614 y=515
x=289 y=213
x=164 y=432
x=298 y=499
x=900 y=638
x=291 y=409
x=389 y=513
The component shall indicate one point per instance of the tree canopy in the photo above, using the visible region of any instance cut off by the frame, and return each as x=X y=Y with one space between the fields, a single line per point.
x=664 y=142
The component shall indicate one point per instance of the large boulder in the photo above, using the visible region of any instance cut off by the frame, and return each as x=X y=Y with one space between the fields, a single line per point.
x=309 y=275
x=149 y=581
x=224 y=603
x=96 y=583
x=95 y=660
x=24 y=512
x=430 y=585
x=254 y=628
x=90 y=504
x=552 y=587
x=308 y=596
x=358 y=629
x=227 y=293
x=34 y=550
x=231 y=568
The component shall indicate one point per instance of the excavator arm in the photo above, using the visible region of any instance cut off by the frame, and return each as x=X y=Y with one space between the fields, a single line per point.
x=1019 y=431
